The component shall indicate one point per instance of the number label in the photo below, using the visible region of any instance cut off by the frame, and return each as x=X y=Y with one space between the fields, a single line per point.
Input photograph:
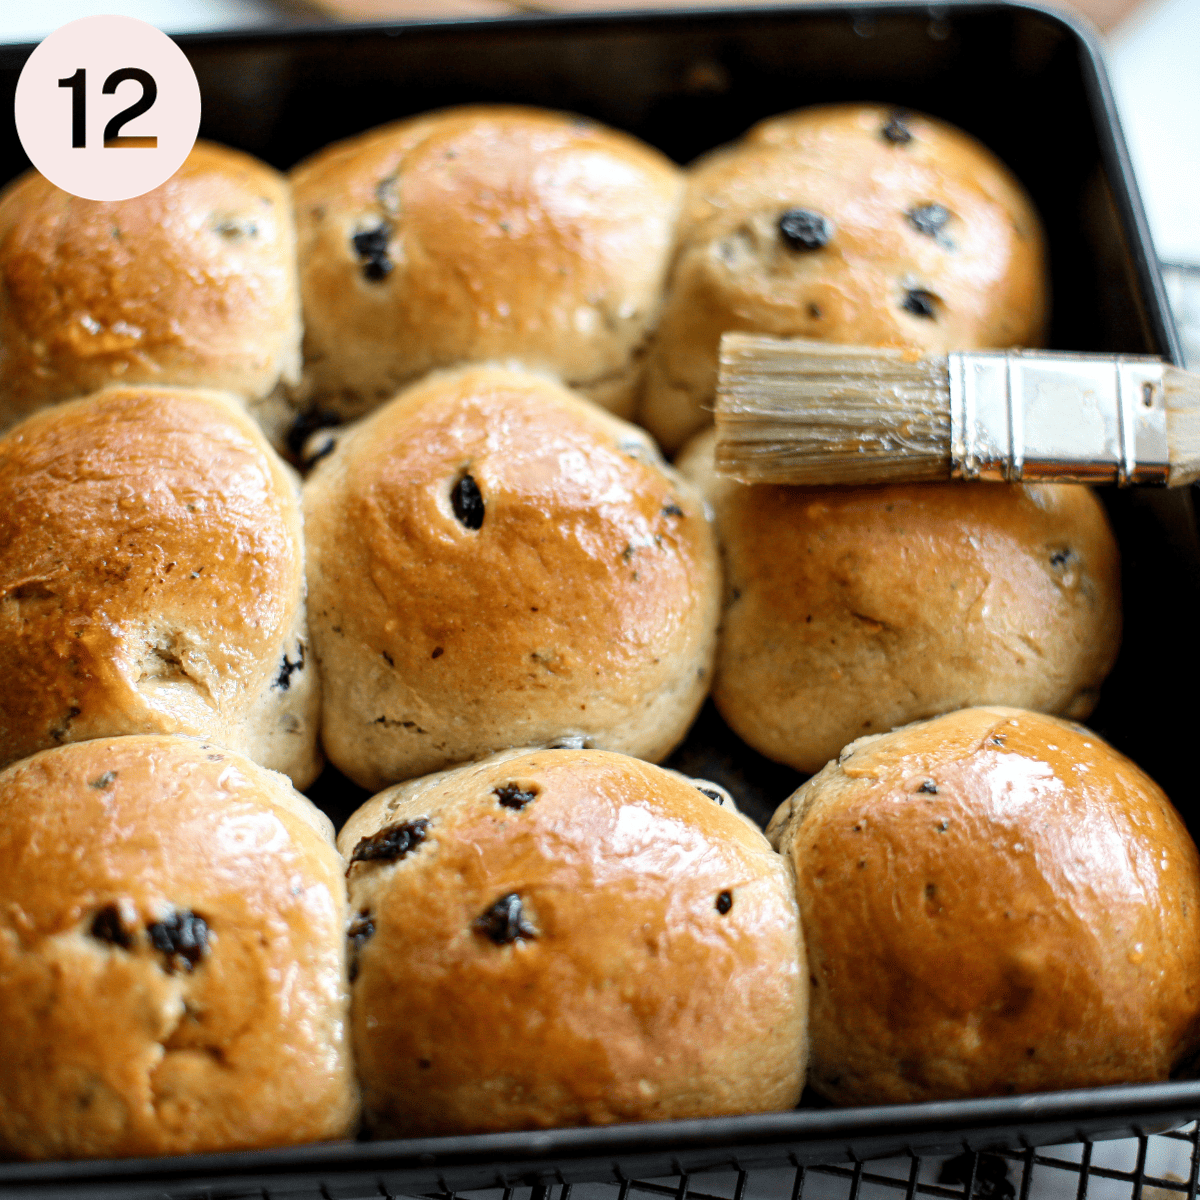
x=113 y=138
x=77 y=83
x=107 y=83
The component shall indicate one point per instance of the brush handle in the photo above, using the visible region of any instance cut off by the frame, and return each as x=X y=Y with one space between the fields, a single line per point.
x=1074 y=418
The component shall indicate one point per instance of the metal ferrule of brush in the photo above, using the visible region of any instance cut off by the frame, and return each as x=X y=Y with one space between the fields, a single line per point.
x=1071 y=418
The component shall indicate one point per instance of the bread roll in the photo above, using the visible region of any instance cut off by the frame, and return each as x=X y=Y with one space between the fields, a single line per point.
x=172 y=955
x=853 y=223
x=494 y=562
x=193 y=283
x=568 y=937
x=152 y=580
x=489 y=233
x=853 y=610
x=994 y=902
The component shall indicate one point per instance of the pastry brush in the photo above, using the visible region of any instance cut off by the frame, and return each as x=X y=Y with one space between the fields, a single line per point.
x=805 y=412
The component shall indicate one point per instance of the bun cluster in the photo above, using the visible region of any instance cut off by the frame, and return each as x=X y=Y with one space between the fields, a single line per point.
x=500 y=234
x=492 y=603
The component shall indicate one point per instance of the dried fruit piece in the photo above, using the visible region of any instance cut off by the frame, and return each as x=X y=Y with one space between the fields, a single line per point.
x=233 y=230
x=320 y=445
x=371 y=246
x=504 y=921
x=468 y=502
x=513 y=795
x=305 y=425
x=929 y=219
x=804 y=229
x=896 y=130
x=107 y=926
x=283 y=680
x=181 y=938
x=361 y=930
x=391 y=843
x=920 y=303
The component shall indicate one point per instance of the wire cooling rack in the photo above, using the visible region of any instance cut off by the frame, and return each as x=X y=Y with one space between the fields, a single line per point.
x=1161 y=1166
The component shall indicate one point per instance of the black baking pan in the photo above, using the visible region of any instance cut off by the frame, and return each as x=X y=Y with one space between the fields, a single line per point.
x=1027 y=82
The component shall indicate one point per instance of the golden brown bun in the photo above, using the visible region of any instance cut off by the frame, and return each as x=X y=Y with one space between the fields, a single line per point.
x=853 y=610
x=152 y=580
x=500 y=234
x=649 y=968
x=127 y=1027
x=994 y=902
x=584 y=605
x=192 y=284
x=977 y=261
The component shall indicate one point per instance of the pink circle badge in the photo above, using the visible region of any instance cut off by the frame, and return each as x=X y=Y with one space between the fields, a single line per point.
x=107 y=108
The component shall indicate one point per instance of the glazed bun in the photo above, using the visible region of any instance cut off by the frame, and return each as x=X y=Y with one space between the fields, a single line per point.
x=191 y=284
x=482 y=234
x=172 y=955
x=565 y=938
x=994 y=901
x=152 y=580
x=852 y=223
x=494 y=562
x=853 y=610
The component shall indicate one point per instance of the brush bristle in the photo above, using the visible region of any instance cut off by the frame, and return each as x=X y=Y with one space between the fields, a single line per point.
x=804 y=412
x=1182 y=398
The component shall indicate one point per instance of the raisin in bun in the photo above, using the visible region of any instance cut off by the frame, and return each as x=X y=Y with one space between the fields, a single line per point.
x=495 y=562
x=851 y=223
x=172 y=955
x=994 y=901
x=192 y=284
x=152 y=579
x=482 y=234
x=853 y=610
x=568 y=937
